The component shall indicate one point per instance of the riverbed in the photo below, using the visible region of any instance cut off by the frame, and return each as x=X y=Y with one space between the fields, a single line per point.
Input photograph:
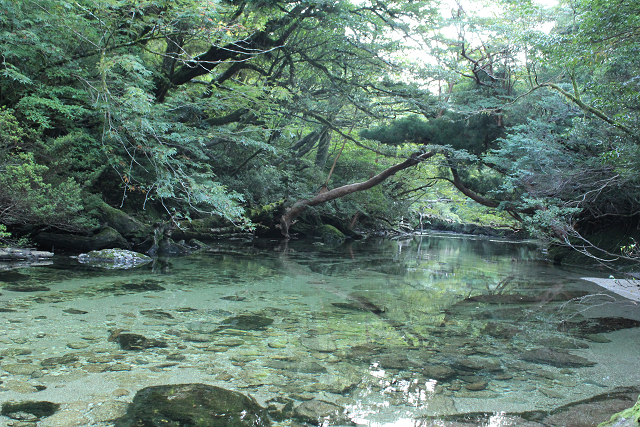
x=430 y=330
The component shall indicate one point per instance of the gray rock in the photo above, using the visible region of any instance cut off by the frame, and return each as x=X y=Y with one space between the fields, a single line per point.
x=438 y=372
x=475 y=363
x=559 y=359
x=14 y=254
x=320 y=344
x=21 y=368
x=113 y=258
x=138 y=342
x=193 y=405
x=317 y=412
x=247 y=322
x=476 y=386
x=67 y=359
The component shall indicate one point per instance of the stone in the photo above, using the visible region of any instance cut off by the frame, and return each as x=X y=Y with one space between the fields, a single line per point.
x=124 y=224
x=157 y=314
x=392 y=360
x=301 y=367
x=138 y=342
x=21 y=368
x=113 y=259
x=598 y=409
x=74 y=311
x=320 y=413
x=599 y=325
x=320 y=344
x=330 y=235
x=475 y=363
x=77 y=345
x=106 y=238
x=438 y=372
x=36 y=409
x=559 y=359
x=14 y=351
x=476 y=386
x=67 y=359
x=562 y=343
x=234 y=298
x=627 y=418
x=119 y=367
x=66 y=418
x=19 y=386
x=551 y=393
x=26 y=288
x=119 y=392
x=19 y=254
x=193 y=405
x=169 y=248
x=247 y=322
x=144 y=286
x=104 y=412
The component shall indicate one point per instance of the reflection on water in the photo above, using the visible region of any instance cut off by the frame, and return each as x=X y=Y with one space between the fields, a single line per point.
x=427 y=331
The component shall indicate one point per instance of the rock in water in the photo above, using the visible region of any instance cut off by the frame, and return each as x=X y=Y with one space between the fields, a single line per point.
x=247 y=322
x=138 y=342
x=113 y=258
x=559 y=359
x=320 y=413
x=29 y=410
x=187 y=405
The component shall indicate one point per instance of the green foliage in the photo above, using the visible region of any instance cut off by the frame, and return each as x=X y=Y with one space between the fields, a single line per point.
x=475 y=134
x=26 y=198
x=206 y=108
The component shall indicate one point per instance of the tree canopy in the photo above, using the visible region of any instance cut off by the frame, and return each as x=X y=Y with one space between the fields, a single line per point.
x=185 y=109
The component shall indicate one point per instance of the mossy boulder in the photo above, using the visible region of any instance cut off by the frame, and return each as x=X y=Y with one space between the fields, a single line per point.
x=627 y=418
x=124 y=224
x=113 y=258
x=330 y=235
x=106 y=238
x=192 y=405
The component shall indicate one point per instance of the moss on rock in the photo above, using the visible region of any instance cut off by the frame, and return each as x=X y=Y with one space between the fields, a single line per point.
x=193 y=405
x=627 y=418
x=330 y=235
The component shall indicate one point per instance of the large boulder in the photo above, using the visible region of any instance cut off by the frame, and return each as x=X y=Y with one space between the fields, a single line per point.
x=627 y=418
x=124 y=224
x=330 y=235
x=106 y=238
x=113 y=258
x=190 y=405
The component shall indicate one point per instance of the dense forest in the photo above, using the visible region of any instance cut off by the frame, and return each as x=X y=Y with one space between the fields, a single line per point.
x=123 y=121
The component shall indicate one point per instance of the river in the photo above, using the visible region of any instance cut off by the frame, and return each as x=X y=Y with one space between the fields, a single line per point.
x=431 y=330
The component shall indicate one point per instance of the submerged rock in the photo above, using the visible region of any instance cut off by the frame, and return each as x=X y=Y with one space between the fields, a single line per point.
x=113 y=258
x=26 y=288
x=599 y=325
x=627 y=418
x=247 y=322
x=320 y=413
x=138 y=342
x=29 y=410
x=438 y=372
x=189 y=405
x=559 y=359
x=144 y=286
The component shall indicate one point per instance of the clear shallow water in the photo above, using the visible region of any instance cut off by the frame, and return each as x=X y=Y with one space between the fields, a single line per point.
x=396 y=332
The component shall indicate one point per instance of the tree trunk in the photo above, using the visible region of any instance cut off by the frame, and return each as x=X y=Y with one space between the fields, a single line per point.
x=301 y=205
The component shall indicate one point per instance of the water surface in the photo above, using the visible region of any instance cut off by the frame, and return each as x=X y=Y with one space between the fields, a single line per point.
x=396 y=332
